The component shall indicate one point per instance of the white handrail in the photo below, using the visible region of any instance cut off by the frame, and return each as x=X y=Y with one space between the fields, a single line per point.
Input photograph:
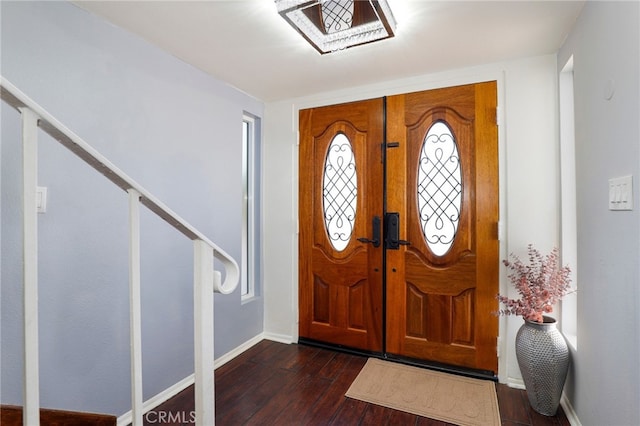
x=206 y=279
x=14 y=97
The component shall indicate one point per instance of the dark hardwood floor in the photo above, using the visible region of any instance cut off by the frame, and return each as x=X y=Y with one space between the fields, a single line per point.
x=278 y=384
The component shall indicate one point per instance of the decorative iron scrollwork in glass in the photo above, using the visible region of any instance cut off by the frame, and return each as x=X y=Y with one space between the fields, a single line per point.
x=339 y=191
x=337 y=15
x=439 y=188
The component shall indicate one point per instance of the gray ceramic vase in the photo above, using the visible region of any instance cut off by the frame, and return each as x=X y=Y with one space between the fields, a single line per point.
x=543 y=357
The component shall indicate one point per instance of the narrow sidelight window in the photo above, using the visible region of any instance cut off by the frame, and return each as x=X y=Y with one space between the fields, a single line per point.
x=250 y=207
x=568 y=206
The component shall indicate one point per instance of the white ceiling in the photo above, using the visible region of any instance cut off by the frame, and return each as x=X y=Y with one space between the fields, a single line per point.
x=247 y=44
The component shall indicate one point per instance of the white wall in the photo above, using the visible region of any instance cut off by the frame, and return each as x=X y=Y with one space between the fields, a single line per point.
x=527 y=95
x=604 y=384
x=173 y=129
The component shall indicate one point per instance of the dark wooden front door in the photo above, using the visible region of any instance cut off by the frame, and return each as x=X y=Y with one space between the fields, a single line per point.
x=442 y=286
x=436 y=264
x=340 y=278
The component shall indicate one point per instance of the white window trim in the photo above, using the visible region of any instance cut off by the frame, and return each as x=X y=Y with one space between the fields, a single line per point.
x=568 y=209
x=249 y=209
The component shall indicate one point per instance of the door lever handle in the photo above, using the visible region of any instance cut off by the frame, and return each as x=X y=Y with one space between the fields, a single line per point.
x=375 y=241
x=392 y=232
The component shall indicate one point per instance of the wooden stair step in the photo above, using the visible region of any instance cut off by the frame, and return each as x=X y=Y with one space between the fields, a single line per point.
x=11 y=415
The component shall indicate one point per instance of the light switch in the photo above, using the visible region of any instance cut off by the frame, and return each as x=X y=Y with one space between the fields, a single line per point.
x=621 y=193
x=41 y=199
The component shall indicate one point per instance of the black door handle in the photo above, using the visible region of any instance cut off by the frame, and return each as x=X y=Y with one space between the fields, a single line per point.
x=392 y=232
x=375 y=241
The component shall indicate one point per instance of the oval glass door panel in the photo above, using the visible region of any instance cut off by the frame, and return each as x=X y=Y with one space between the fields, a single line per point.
x=439 y=188
x=339 y=192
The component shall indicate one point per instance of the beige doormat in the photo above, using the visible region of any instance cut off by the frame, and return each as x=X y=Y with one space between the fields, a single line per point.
x=454 y=399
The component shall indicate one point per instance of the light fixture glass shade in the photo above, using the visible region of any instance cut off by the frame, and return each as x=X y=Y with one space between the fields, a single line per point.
x=331 y=25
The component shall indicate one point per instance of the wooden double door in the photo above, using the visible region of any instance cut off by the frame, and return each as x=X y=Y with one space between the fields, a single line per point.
x=398 y=214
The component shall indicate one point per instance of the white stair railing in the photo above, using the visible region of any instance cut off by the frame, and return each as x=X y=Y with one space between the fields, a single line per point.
x=206 y=279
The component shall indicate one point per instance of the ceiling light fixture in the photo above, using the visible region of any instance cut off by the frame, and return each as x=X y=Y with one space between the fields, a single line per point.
x=331 y=25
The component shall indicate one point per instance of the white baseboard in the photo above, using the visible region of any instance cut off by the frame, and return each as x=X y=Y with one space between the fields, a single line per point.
x=516 y=383
x=572 y=416
x=172 y=391
x=237 y=351
x=154 y=401
x=280 y=338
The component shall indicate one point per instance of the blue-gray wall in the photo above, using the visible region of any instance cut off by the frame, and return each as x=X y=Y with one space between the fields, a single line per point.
x=172 y=128
x=604 y=384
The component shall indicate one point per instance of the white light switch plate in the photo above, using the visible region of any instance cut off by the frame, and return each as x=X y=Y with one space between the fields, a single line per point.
x=621 y=193
x=41 y=200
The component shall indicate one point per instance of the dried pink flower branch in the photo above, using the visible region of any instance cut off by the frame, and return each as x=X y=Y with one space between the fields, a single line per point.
x=541 y=284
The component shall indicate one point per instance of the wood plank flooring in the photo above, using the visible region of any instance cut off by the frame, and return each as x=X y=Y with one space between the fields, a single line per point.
x=278 y=384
